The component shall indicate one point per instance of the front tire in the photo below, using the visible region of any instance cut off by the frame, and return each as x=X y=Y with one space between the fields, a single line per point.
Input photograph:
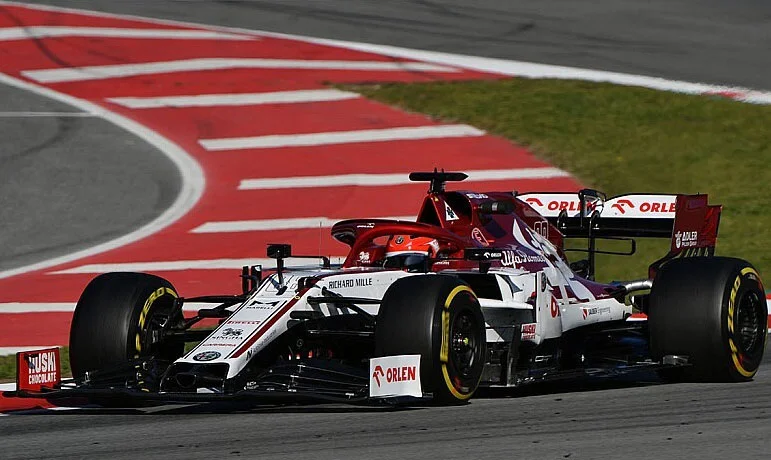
x=119 y=317
x=439 y=318
x=712 y=310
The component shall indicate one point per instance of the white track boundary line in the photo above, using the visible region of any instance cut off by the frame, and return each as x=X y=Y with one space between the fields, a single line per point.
x=47 y=114
x=340 y=137
x=24 y=33
x=193 y=182
x=5 y=351
x=173 y=265
x=231 y=99
x=69 y=307
x=100 y=72
x=492 y=65
x=377 y=180
x=299 y=223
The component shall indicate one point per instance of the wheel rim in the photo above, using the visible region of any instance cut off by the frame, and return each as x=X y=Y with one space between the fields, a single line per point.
x=155 y=341
x=465 y=344
x=749 y=324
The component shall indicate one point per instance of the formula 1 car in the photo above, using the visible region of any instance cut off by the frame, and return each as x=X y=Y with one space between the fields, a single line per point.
x=479 y=291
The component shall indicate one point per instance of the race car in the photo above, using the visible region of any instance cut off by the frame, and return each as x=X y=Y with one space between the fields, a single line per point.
x=479 y=291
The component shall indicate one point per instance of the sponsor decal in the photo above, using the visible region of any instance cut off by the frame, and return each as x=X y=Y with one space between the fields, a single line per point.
x=624 y=205
x=449 y=214
x=243 y=322
x=350 y=283
x=209 y=344
x=657 y=207
x=542 y=228
x=517 y=256
x=589 y=311
x=207 y=356
x=621 y=204
x=554 y=307
x=686 y=239
x=36 y=369
x=528 y=331
x=257 y=305
x=364 y=257
x=395 y=376
x=399 y=239
x=479 y=237
x=556 y=205
x=534 y=201
x=477 y=196
x=366 y=225
x=232 y=331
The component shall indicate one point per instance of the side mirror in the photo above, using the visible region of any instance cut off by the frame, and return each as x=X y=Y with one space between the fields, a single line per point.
x=279 y=251
x=496 y=207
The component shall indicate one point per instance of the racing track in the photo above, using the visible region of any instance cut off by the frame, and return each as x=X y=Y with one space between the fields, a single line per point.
x=675 y=421
x=684 y=421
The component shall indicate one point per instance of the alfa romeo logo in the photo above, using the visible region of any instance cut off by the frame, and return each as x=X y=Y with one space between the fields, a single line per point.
x=207 y=356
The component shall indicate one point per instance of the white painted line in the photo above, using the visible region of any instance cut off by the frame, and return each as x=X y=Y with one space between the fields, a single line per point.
x=47 y=114
x=155 y=266
x=230 y=99
x=372 y=180
x=37 y=307
x=193 y=65
x=276 y=224
x=191 y=189
x=5 y=351
x=534 y=70
x=341 y=137
x=31 y=32
x=7 y=386
x=22 y=308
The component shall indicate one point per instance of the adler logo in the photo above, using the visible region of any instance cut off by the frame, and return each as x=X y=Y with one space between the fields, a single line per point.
x=395 y=376
x=686 y=239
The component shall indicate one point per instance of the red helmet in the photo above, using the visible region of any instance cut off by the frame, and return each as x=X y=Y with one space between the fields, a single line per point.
x=406 y=244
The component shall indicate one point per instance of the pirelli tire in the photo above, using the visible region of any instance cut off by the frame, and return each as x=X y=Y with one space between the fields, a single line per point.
x=119 y=317
x=712 y=310
x=439 y=318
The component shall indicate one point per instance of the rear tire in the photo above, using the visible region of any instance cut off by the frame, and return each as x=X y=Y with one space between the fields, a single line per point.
x=712 y=310
x=119 y=318
x=439 y=318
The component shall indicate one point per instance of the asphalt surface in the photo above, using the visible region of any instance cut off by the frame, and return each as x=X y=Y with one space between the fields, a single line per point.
x=68 y=182
x=650 y=421
x=710 y=41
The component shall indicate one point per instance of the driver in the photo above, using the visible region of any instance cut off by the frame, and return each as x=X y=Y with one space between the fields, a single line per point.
x=405 y=251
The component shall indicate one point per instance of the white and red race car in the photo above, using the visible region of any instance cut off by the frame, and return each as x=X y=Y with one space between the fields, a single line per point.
x=479 y=291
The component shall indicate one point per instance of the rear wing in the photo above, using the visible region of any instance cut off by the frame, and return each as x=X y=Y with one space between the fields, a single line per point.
x=689 y=221
x=634 y=215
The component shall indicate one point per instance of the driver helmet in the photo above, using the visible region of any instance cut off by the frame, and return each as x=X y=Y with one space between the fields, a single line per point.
x=401 y=247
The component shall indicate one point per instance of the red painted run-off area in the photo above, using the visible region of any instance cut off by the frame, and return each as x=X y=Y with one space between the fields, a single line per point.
x=221 y=201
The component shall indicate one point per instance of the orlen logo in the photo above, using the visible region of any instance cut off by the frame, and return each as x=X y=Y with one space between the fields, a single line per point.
x=569 y=206
x=394 y=374
x=533 y=200
x=646 y=206
x=620 y=205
